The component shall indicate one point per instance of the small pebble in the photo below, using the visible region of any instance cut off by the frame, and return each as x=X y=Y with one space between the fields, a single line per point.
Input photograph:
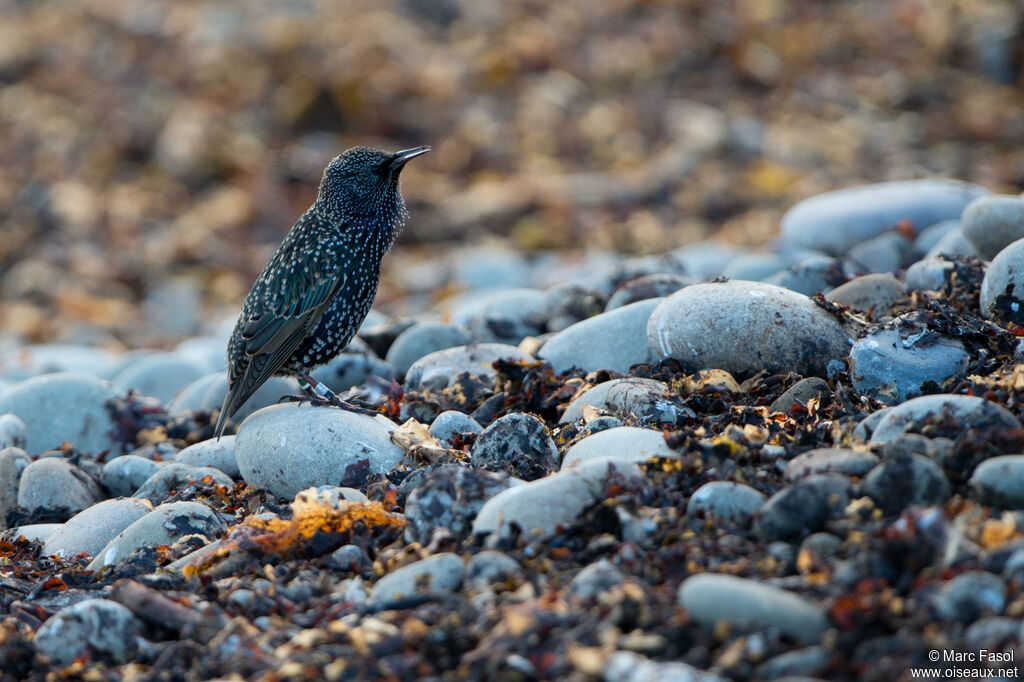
x=90 y=530
x=160 y=375
x=214 y=452
x=802 y=507
x=831 y=460
x=12 y=463
x=13 y=431
x=970 y=595
x=490 y=566
x=519 y=444
x=645 y=399
x=1002 y=290
x=125 y=474
x=54 y=483
x=999 y=482
x=727 y=501
x=802 y=392
x=647 y=287
x=423 y=339
x=451 y=422
x=449 y=497
x=929 y=274
x=439 y=369
x=437 y=573
x=95 y=629
x=906 y=480
x=966 y=409
x=175 y=476
x=614 y=340
x=627 y=442
x=875 y=293
x=810 y=276
x=992 y=223
x=595 y=579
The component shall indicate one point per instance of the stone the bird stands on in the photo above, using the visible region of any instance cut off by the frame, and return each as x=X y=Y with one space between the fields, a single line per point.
x=316 y=290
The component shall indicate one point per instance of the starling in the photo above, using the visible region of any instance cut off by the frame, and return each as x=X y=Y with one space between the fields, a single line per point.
x=316 y=290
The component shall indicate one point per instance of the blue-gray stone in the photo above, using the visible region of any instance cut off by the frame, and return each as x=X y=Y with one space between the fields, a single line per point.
x=1002 y=289
x=423 y=339
x=614 y=340
x=916 y=412
x=992 y=223
x=160 y=375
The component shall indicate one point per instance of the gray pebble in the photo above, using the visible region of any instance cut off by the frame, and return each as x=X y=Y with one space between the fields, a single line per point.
x=595 y=579
x=626 y=666
x=705 y=260
x=825 y=545
x=647 y=287
x=831 y=460
x=206 y=350
x=423 y=339
x=51 y=483
x=755 y=267
x=214 y=452
x=439 y=369
x=12 y=463
x=992 y=223
x=175 y=476
x=352 y=368
x=160 y=375
x=13 y=431
x=626 y=442
x=90 y=530
x=123 y=475
x=884 y=253
x=746 y=327
x=727 y=501
x=437 y=573
x=906 y=480
x=646 y=399
x=930 y=236
x=711 y=597
x=162 y=526
x=449 y=497
x=96 y=629
x=491 y=566
x=287 y=448
x=795 y=666
x=914 y=413
x=970 y=595
x=896 y=362
x=348 y=558
x=448 y=423
x=518 y=443
x=929 y=274
x=566 y=303
x=207 y=393
x=34 y=532
x=802 y=507
x=810 y=275
x=1002 y=290
x=834 y=222
x=81 y=418
x=614 y=340
x=802 y=392
x=50 y=358
x=999 y=482
x=875 y=293
x=953 y=244
x=502 y=316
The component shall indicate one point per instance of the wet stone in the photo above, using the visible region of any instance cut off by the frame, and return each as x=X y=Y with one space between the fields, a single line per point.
x=449 y=497
x=96 y=629
x=53 y=483
x=906 y=480
x=915 y=413
x=970 y=595
x=517 y=443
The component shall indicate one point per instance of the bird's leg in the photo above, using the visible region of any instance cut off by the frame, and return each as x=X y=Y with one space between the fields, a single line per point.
x=320 y=394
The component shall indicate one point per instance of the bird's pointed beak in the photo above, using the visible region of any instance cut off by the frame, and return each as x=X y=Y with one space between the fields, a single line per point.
x=403 y=157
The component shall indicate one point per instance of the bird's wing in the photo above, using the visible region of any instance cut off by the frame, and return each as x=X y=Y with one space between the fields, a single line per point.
x=272 y=334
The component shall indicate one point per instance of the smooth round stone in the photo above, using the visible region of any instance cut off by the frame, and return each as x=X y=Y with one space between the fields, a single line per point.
x=12 y=463
x=643 y=288
x=802 y=391
x=930 y=236
x=707 y=259
x=713 y=597
x=449 y=497
x=824 y=545
x=884 y=253
x=352 y=368
x=977 y=412
x=218 y=453
x=160 y=375
x=348 y=558
x=52 y=358
x=125 y=474
x=34 y=532
x=615 y=340
x=518 y=443
x=490 y=566
x=727 y=501
x=62 y=407
x=834 y=222
x=894 y=364
x=503 y=316
x=423 y=339
x=439 y=369
x=809 y=276
x=746 y=327
x=205 y=351
x=51 y=483
x=755 y=267
x=875 y=292
x=831 y=460
x=953 y=244
x=999 y=481
x=287 y=448
x=904 y=481
x=380 y=337
x=448 y=423
x=970 y=595
x=992 y=223
x=96 y=629
x=208 y=393
x=798 y=665
x=566 y=303
x=632 y=395
x=438 y=573
x=13 y=431
x=928 y=274
x=1002 y=290
x=176 y=476
x=331 y=495
x=90 y=530
x=626 y=666
x=595 y=579
x=626 y=442
x=802 y=507
x=162 y=526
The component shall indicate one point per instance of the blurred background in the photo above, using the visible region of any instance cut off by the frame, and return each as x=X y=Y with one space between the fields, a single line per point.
x=153 y=154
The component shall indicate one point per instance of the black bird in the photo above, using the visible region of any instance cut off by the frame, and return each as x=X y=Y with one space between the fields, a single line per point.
x=316 y=290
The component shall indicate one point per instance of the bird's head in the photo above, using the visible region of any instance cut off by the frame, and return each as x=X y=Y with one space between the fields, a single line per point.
x=363 y=183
